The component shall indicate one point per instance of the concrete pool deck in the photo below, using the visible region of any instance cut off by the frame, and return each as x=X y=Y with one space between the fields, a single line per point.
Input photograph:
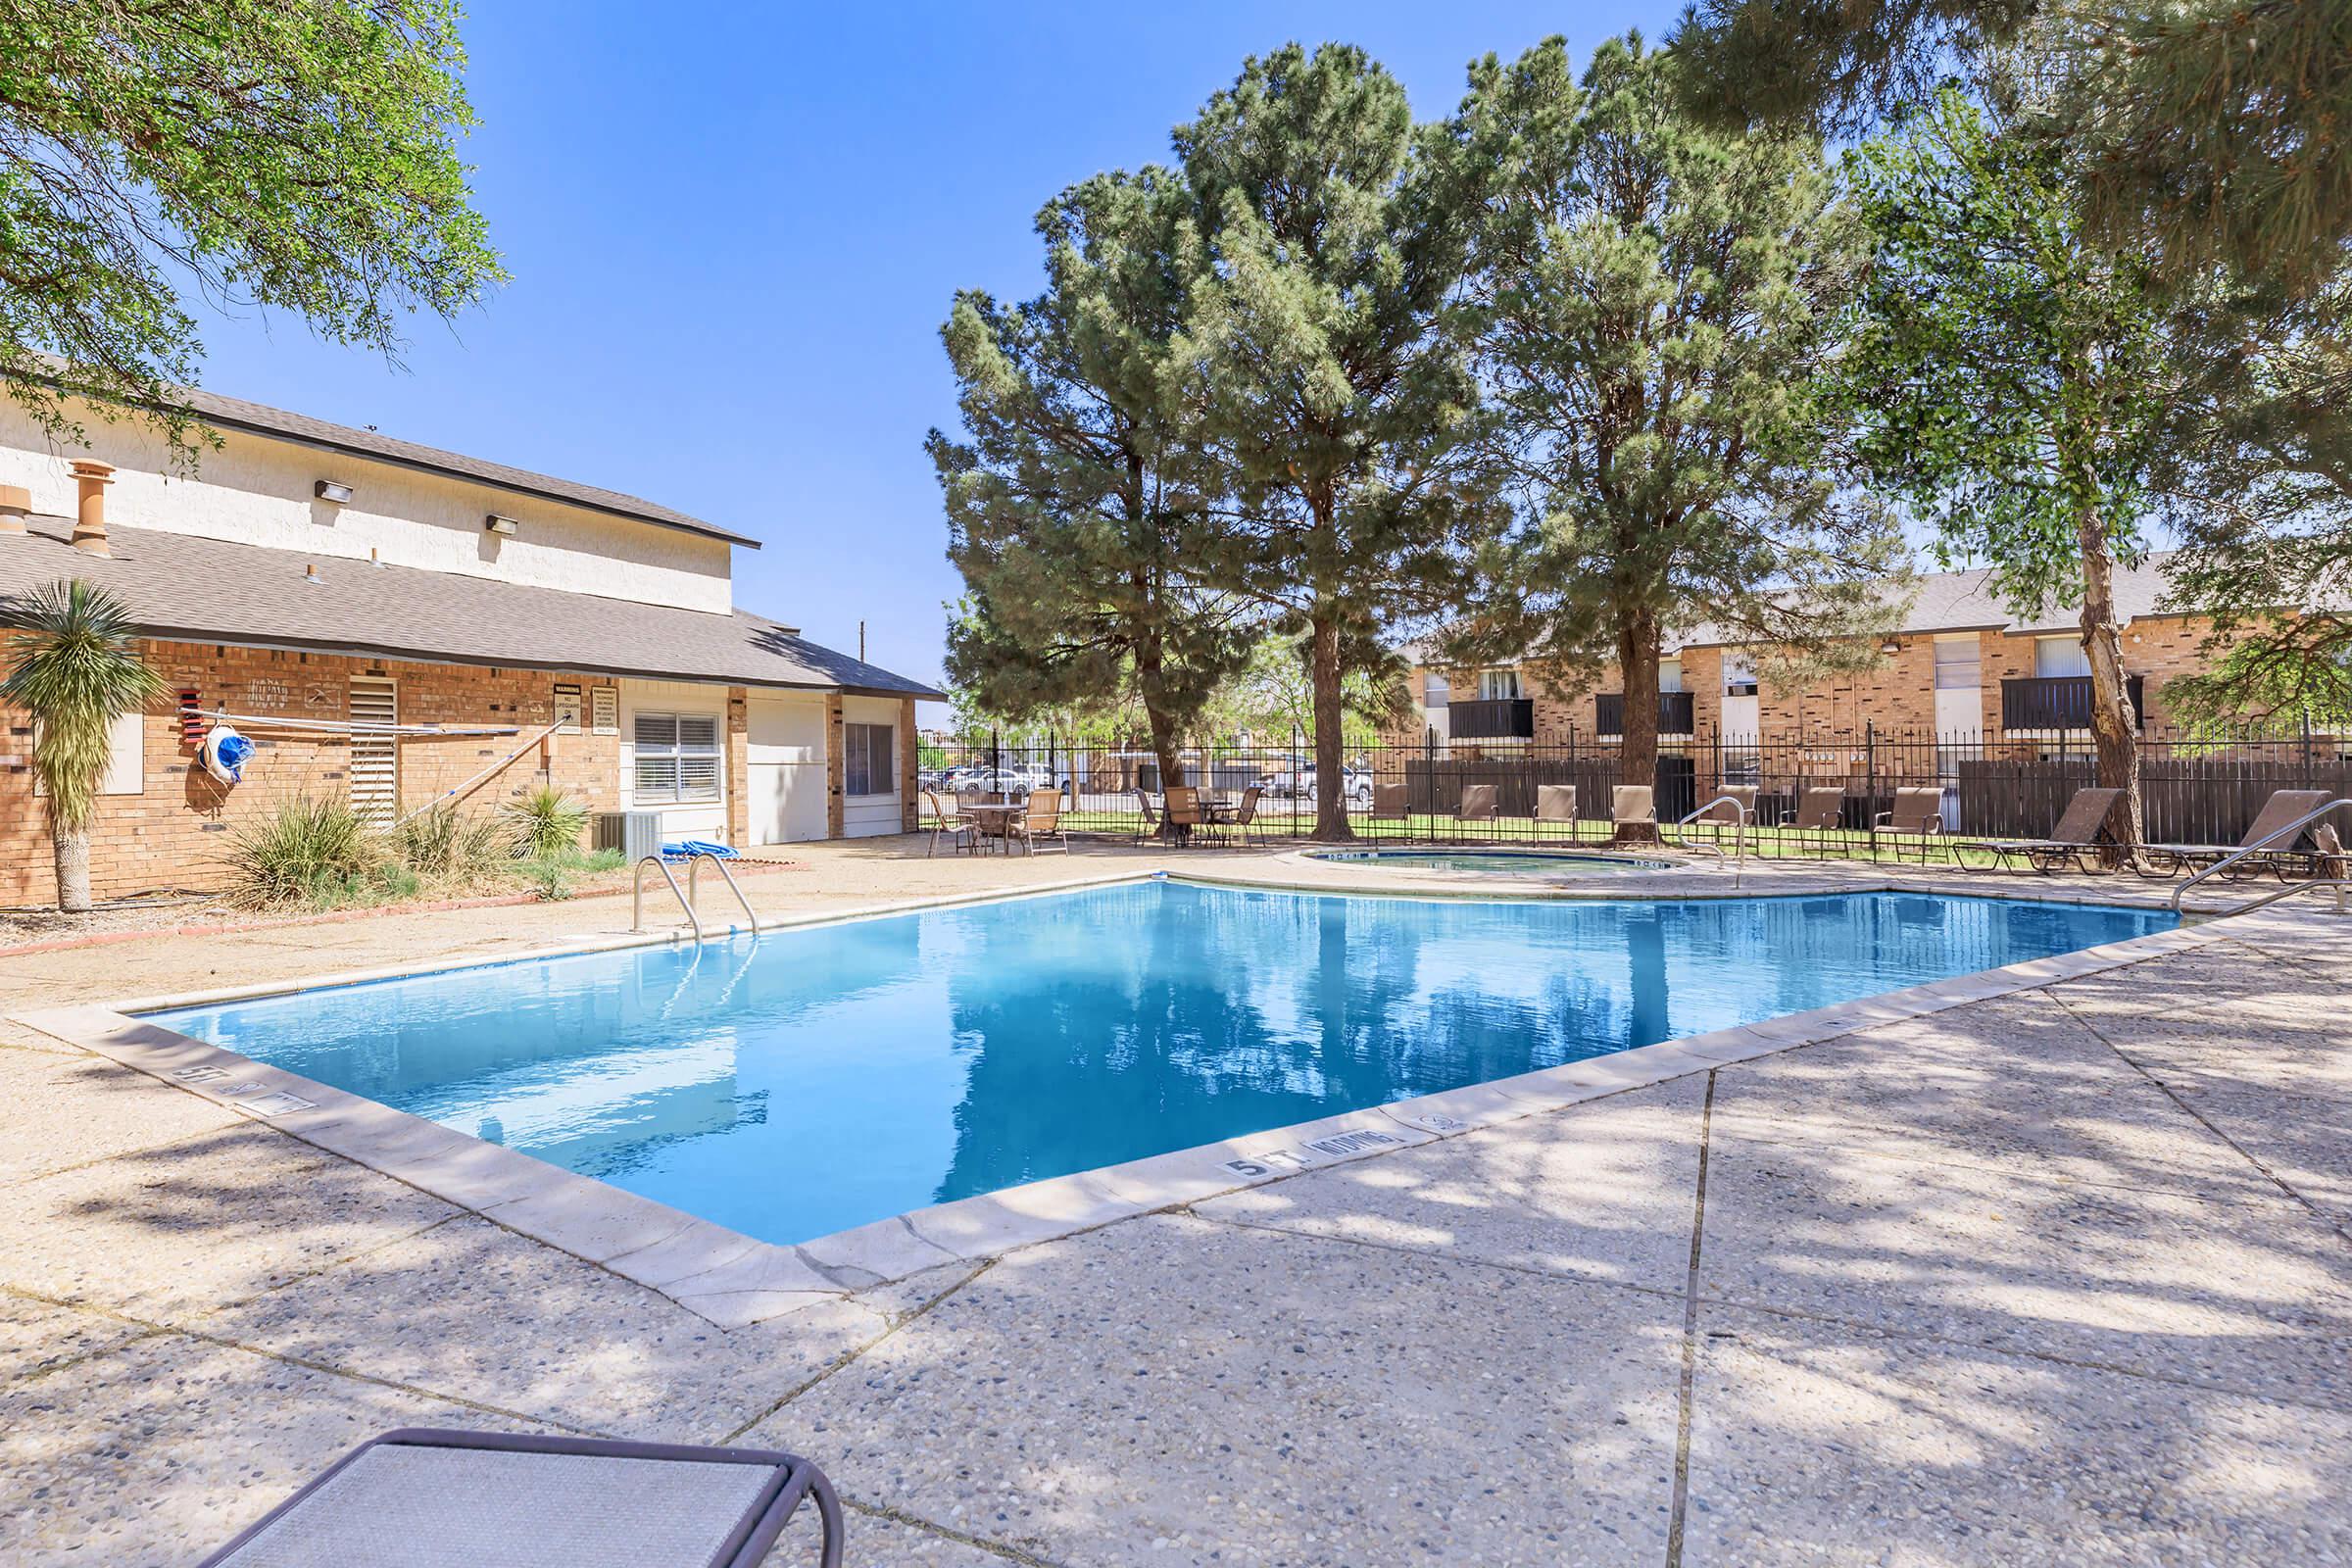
x=2062 y=1276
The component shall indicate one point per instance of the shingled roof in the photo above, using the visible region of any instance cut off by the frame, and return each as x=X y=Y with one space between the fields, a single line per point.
x=235 y=413
x=186 y=588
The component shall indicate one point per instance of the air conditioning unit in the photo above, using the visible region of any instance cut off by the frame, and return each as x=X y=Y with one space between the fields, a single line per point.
x=636 y=834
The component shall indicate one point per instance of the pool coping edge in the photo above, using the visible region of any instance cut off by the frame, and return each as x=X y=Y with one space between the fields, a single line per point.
x=732 y=1280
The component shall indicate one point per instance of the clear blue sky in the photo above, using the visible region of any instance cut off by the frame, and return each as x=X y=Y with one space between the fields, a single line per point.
x=733 y=233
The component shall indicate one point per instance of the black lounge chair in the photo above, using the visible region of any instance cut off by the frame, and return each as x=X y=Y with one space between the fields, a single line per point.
x=2079 y=836
x=431 y=1498
x=2282 y=808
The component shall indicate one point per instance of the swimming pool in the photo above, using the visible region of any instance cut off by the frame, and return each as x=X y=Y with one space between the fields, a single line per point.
x=1498 y=862
x=815 y=1079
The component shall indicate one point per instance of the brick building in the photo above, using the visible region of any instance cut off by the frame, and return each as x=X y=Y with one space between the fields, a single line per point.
x=1961 y=668
x=338 y=595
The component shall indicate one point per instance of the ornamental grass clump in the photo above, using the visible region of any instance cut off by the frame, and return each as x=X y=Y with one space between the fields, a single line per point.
x=313 y=851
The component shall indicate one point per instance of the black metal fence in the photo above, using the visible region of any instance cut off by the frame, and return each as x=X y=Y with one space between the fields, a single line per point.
x=2196 y=788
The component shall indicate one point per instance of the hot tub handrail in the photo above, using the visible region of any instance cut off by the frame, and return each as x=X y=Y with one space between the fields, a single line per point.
x=1738 y=828
x=637 y=904
x=694 y=872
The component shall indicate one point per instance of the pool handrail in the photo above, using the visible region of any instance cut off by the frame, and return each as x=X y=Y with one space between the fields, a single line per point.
x=1738 y=830
x=2264 y=843
x=694 y=872
x=637 y=902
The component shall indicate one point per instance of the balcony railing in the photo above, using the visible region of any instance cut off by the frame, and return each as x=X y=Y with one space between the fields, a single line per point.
x=1677 y=713
x=1494 y=718
x=2058 y=703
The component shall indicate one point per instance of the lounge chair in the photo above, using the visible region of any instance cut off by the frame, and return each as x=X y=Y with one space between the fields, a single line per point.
x=2081 y=834
x=1392 y=803
x=2282 y=808
x=424 y=1497
x=1820 y=812
x=1917 y=811
x=1478 y=803
x=1633 y=807
x=947 y=824
x=1148 y=827
x=1040 y=823
x=1730 y=803
x=1556 y=803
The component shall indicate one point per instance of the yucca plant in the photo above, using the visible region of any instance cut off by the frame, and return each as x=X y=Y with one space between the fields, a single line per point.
x=312 y=850
x=74 y=666
x=442 y=843
x=547 y=821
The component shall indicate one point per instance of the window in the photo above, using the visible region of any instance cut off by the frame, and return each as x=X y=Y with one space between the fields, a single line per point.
x=676 y=759
x=2060 y=656
x=1956 y=667
x=1670 y=674
x=1739 y=675
x=1436 y=692
x=374 y=750
x=1497 y=685
x=866 y=760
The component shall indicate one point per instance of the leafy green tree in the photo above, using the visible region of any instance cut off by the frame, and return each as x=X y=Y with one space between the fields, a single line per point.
x=74 y=668
x=1340 y=408
x=1273 y=697
x=297 y=154
x=1652 y=301
x=2010 y=376
x=1077 y=500
x=2202 y=130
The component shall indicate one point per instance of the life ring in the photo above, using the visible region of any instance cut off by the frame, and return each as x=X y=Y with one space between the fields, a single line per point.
x=223 y=753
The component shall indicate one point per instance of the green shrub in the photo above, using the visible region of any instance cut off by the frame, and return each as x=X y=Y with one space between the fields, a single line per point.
x=310 y=850
x=443 y=843
x=547 y=821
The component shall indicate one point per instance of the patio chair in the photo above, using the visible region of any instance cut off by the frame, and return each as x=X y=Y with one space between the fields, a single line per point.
x=1244 y=814
x=1556 y=803
x=2079 y=836
x=1478 y=803
x=1729 y=805
x=1186 y=819
x=426 y=1498
x=1148 y=827
x=1820 y=812
x=1633 y=809
x=2282 y=808
x=946 y=824
x=1040 y=823
x=1392 y=803
x=1918 y=811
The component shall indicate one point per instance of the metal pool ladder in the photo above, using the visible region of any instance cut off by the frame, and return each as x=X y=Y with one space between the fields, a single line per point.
x=686 y=899
x=2340 y=884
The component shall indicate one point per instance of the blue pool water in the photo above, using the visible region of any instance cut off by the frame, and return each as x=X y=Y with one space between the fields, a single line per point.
x=818 y=1079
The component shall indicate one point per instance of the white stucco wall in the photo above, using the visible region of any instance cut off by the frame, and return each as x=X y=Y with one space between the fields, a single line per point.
x=257 y=490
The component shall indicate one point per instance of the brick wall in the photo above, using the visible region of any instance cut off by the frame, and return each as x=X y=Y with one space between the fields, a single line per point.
x=1897 y=696
x=174 y=830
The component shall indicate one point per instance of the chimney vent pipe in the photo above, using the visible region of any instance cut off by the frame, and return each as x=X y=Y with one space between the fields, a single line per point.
x=89 y=523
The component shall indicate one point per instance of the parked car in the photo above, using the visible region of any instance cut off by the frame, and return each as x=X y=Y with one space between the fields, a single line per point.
x=1355 y=783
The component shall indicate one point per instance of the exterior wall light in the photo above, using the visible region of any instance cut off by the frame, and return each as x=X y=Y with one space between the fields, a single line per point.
x=334 y=490
x=502 y=525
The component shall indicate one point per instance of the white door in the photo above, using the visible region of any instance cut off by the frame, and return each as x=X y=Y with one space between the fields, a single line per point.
x=785 y=750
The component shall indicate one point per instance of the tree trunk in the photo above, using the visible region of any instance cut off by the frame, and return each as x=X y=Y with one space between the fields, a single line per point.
x=1331 y=778
x=72 y=846
x=1638 y=668
x=2114 y=726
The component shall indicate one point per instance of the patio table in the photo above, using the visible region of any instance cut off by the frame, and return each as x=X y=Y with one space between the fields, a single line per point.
x=993 y=821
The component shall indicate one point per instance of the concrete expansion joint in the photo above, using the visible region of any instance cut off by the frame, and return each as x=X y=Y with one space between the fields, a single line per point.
x=1681 y=1501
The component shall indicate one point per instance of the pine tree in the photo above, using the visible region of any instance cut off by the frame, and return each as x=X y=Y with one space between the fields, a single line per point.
x=1077 y=499
x=2011 y=379
x=1652 y=301
x=1340 y=409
